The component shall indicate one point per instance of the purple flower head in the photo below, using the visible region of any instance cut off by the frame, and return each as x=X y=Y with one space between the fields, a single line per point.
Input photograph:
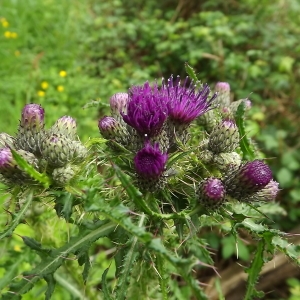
x=222 y=87
x=268 y=193
x=146 y=109
x=150 y=162
x=32 y=117
x=211 y=192
x=108 y=126
x=255 y=174
x=118 y=103
x=186 y=102
x=6 y=159
x=214 y=189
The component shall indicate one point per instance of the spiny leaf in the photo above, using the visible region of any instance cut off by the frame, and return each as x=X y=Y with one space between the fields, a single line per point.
x=106 y=292
x=18 y=217
x=50 y=286
x=246 y=147
x=128 y=263
x=30 y=170
x=192 y=74
x=50 y=265
x=254 y=270
x=11 y=273
x=292 y=251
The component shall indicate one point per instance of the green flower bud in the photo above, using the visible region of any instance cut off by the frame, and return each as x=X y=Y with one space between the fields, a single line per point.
x=224 y=137
x=63 y=175
x=66 y=126
x=225 y=160
x=223 y=90
x=57 y=150
x=6 y=140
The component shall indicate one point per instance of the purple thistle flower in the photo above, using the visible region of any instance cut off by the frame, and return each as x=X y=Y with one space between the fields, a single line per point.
x=118 y=103
x=256 y=174
x=6 y=159
x=186 y=102
x=150 y=162
x=268 y=193
x=32 y=117
x=248 y=179
x=146 y=110
x=211 y=192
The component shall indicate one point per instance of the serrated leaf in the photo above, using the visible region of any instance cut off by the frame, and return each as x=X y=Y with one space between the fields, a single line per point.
x=127 y=265
x=192 y=74
x=105 y=290
x=51 y=264
x=11 y=273
x=292 y=251
x=50 y=286
x=18 y=216
x=254 y=270
x=246 y=147
x=30 y=170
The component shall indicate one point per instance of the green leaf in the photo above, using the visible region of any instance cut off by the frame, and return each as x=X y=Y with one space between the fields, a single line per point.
x=30 y=170
x=19 y=216
x=50 y=286
x=254 y=270
x=192 y=74
x=51 y=264
x=11 y=273
x=106 y=292
x=246 y=147
x=128 y=263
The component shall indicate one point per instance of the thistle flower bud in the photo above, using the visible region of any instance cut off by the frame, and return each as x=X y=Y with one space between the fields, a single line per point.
x=63 y=175
x=9 y=168
x=149 y=164
x=6 y=140
x=65 y=125
x=209 y=120
x=57 y=150
x=224 y=137
x=235 y=104
x=247 y=179
x=109 y=127
x=211 y=192
x=32 y=117
x=118 y=104
x=266 y=194
x=79 y=152
x=223 y=90
x=224 y=161
x=31 y=129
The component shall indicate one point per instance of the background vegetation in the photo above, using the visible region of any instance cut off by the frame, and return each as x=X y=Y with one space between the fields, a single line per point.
x=64 y=54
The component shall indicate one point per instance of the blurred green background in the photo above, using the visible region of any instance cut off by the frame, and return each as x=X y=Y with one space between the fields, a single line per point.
x=63 y=54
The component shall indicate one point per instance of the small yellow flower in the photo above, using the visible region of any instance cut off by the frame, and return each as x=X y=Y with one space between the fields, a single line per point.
x=17 y=53
x=44 y=85
x=4 y=23
x=41 y=93
x=62 y=73
x=60 y=88
x=7 y=34
x=13 y=35
x=17 y=248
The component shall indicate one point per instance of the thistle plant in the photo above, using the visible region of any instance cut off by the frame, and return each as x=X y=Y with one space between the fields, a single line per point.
x=173 y=162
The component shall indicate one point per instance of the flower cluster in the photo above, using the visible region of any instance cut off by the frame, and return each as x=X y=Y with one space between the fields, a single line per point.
x=251 y=181
x=149 y=121
x=55 y=151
